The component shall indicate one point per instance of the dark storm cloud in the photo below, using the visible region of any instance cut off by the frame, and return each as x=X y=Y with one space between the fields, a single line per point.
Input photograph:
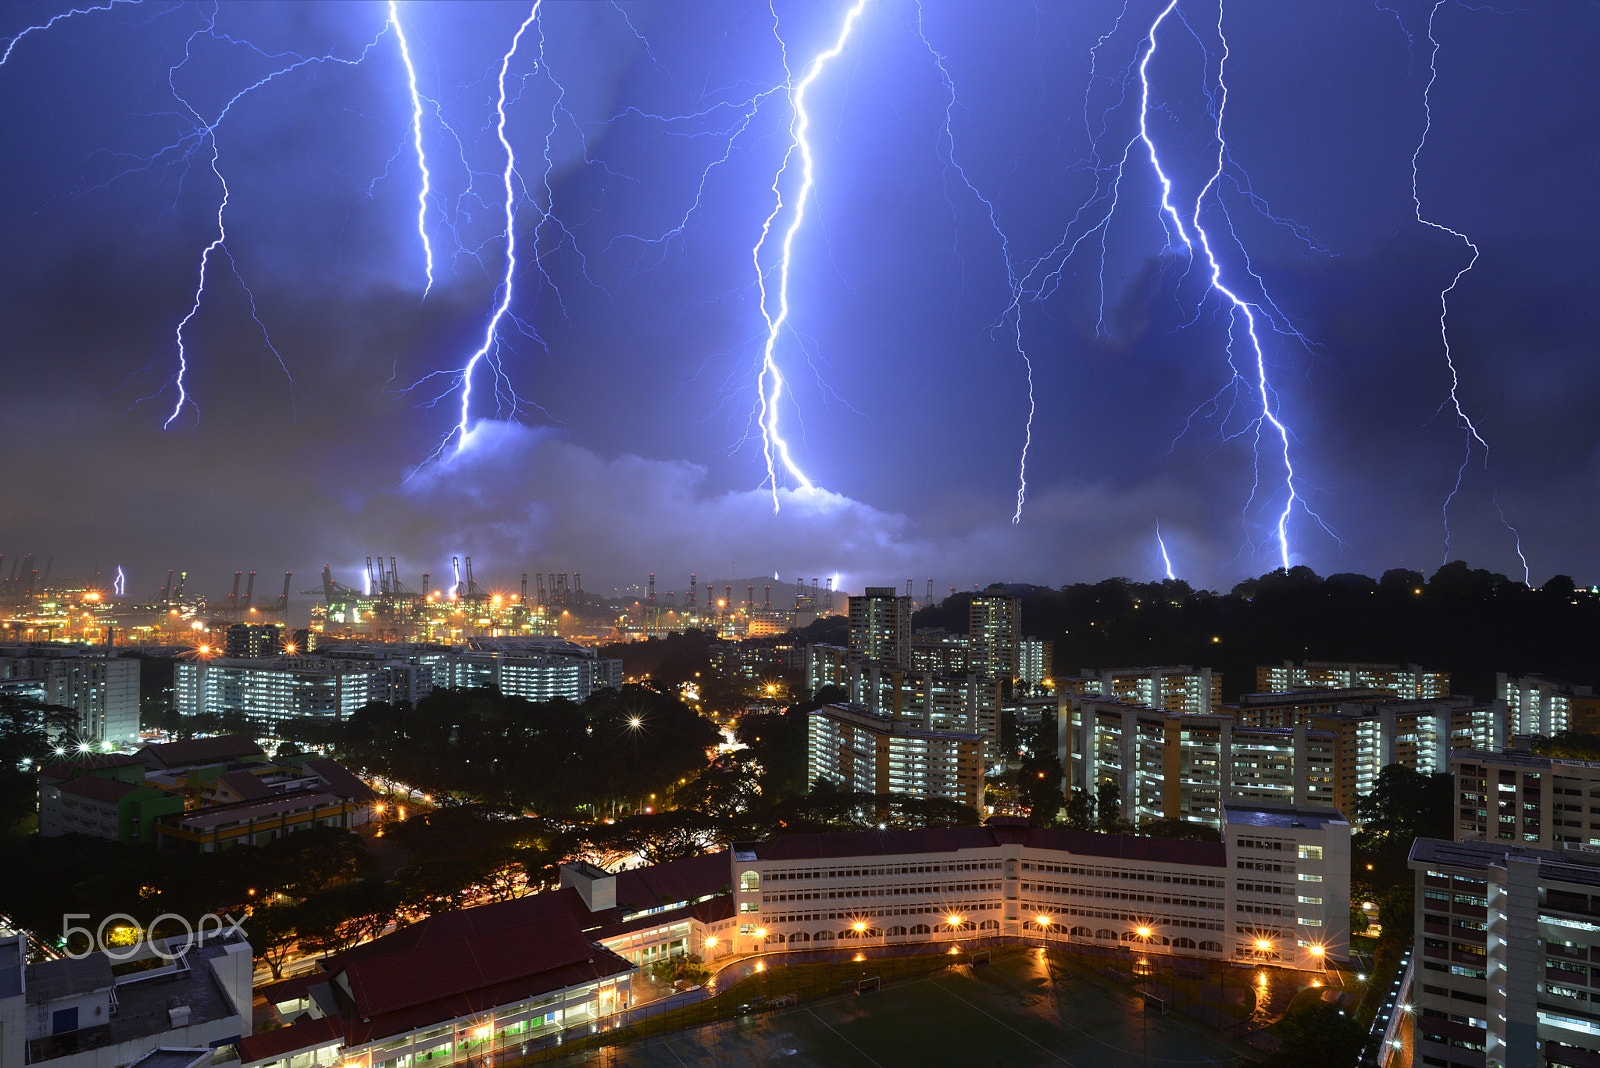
x=909 y=398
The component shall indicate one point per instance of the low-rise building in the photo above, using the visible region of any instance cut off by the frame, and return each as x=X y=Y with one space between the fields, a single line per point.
x=80 y=1013
x=1276 y=889
x=202 y=794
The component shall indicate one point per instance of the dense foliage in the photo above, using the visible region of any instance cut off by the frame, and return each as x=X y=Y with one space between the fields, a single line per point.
x=1470 y=623
x=550 y=757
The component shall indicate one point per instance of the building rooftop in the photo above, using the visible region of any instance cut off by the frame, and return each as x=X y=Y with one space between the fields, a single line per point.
x=246 y=785
x=684 y=880
x=167 y=1057
x=304 y=1033
x=263 y=808
x=1574 y=864
x=75 y=767
x=1317 y=696
x=61 y=978
x=1255 y=814
x=845 y=844
x=142 y=998
x=214 y=750
x=1521 y=758
x=339 y=780
x=859 y=715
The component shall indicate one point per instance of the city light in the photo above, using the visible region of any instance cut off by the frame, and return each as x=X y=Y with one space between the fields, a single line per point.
x=953 y=920
x=858 y=926
x=1143 y=932
x=1042 y=921
x=1263 y=944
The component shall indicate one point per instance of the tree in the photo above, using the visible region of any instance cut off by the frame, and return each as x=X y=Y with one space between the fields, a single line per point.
x=1316 y=1034
x=272 y=935
x=1108 y=809
x=1405 y=805
x=308 y=862
x=1080 y=810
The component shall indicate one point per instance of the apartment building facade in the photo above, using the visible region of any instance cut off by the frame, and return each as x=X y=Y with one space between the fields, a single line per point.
x=860 y=751
x=1508 y=955
x=1407 y=681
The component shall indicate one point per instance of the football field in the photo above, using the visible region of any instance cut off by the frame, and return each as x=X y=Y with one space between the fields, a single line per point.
x=1013 y=1012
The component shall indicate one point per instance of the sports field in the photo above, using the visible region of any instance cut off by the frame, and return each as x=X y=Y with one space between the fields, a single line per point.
x=1013 y=1012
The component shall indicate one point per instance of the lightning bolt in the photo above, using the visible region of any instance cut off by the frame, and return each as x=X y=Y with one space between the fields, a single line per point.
x=1463 y=421
x=42 y=26
x=416 y=137
x=120 y=586
x=1186 y=233
x=1012 y=314
x=206 y=133
x=1165 y=559
x=491 y=332
x=770 y=382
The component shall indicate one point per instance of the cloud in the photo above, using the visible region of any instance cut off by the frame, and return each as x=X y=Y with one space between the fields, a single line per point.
x=518 y=498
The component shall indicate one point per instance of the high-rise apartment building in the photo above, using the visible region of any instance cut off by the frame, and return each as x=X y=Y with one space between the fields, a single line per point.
x=927 y=699
x=1176 y=688
x=1182 y=766
x=866 y=753
x=1412 y=683
x=1538 y=801
x=253 y=641
x=1541 y=705
x=1506 y=936
x=1036 y=663
x=880 y=625
x=102 y=689
x=994 y=634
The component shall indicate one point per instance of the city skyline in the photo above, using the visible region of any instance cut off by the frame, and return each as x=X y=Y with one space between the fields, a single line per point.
x=950 y=162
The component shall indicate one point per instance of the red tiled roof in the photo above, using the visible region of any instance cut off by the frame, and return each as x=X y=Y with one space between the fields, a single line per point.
x=949 y=839
x=246 y=785
x=302 y=1035
x=874 y=843
x=291 y=989
x=200 y=750
x=62 y=770
x=108 y=790
x=437 y=971
x=675 y=880
x=463 y=923
x=1129 y=847
x=339 y=780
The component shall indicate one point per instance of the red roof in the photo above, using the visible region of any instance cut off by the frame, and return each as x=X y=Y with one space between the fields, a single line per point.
x=872 y=843
x=302 y=1035
x=339 y=780
x=63 y=770
x=202 y=750
x=246 y=785
x=108 y=790
x=292 y=989
x=676 y=880
x=442 y=977
x=949 y=839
